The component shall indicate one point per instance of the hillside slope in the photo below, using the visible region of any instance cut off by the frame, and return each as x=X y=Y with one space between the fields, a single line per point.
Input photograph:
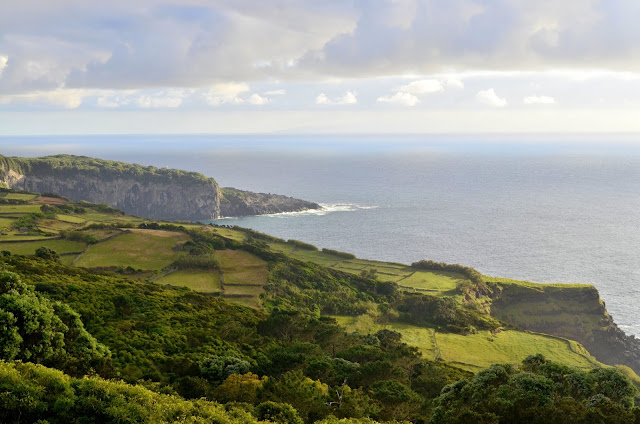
x=276 y=330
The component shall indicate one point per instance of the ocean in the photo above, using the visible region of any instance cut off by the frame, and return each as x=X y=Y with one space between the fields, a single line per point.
x=539 y=208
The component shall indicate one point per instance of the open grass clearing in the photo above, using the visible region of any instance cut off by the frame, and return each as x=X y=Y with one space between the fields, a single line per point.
x=242 y=290
x=196 y=280
x=20 y=196
x=240 y=267
x=477 y=351
x=29 y=247
x=70 y=219
x=19 y=209
x=483 y=349
x=56 y=225
x=227 y=232
x=6 y=222
x=102 y=233
x=438 y=282
x=18 y=236
x=140 y=249
x=249 y=302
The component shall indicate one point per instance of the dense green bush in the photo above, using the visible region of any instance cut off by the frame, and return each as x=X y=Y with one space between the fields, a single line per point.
x=301 y=245
x=343 y=255
x=32 y=328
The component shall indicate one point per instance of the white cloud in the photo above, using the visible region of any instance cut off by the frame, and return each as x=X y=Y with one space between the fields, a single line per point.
x=159 y=102
x=226 y=93
x=349 y=98
x=280 y=92
x=425 y=86
x=171 y=98
x=490 y=98
x=3 y=63
x=454 y=82
x=322 y=99
x=540 y=100
x=400 y=98
x=257 y=100
x=108 y=102
x=66 y=98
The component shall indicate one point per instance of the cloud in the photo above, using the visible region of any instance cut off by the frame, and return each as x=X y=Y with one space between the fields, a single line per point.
x=349 y=98
x=3 y=63
x=280 y=92
x=68 y=99
x=225 y=93
x=400 y=98
x=543 y=100
x=322 y=99
x=257 y=100
x=454 y=82
x=159 y=102
x=425 y=86
x=490 y=98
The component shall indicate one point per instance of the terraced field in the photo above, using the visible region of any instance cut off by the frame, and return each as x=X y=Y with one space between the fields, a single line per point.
x=29 y=247
x=477 y=351
x=196 y=280
x=139 y=249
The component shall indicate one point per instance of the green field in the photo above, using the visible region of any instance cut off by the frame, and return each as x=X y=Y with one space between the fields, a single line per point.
x=436 y=282
x=477 y=351
x=20 y=196
x=483 y=349
x=29 y=247
x=241 y=267
x=140 y=249
x=71 y=219
x=6 y=222
x=196 y=280
x=18 y=209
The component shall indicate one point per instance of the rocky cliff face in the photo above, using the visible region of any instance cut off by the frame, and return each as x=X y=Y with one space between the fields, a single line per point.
x=573 y=312
x=147 y=192
x=236 y=202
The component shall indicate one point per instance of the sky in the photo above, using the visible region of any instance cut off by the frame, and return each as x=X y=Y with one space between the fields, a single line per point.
x=319 y=66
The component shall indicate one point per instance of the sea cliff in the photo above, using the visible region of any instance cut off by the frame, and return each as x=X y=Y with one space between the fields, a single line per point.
x=145 y=191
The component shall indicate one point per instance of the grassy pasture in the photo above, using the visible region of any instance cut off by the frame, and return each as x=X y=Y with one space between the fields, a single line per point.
x=227 y=232
x=20 y=196
x=477 y=351
x=18 y=209
x=435 y=282
x=241 y=267
x=71 y=219
x=244 y=290
x=140 y=249
x=482 y=349
x=196 y=280
x=6 y=222
x=29 y=247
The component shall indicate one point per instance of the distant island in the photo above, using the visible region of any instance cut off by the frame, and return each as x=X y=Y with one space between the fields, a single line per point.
x=144 y=191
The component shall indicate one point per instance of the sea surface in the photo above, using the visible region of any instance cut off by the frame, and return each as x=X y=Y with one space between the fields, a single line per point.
x=544 y=208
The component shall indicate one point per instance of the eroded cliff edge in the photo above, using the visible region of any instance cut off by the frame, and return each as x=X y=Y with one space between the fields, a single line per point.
x=145 y=191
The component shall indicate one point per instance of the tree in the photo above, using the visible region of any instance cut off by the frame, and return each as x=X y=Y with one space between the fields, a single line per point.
x=46 y=253
x=34 y=329
x=217 y=368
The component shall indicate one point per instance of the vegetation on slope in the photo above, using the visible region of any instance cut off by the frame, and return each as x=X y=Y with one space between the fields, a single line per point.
x=285 y=359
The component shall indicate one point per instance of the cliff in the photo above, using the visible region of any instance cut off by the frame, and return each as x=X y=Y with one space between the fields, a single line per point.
x=145 y=191
x=572 y=311
x=236 y=202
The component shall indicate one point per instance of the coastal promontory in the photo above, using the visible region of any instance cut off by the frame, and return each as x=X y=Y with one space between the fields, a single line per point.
x=145 y=191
